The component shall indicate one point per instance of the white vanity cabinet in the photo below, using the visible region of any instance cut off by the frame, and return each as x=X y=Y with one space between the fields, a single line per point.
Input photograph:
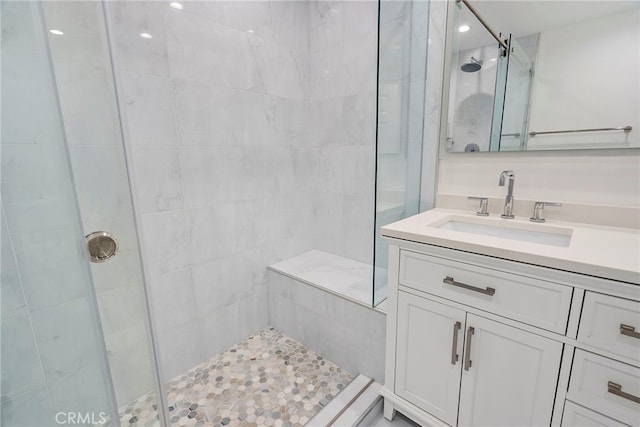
x=609 y=385
x=496 y=322
x=460 y=366
x=479 y=341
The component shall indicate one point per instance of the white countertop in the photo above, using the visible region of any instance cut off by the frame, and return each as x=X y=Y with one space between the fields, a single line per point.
x=601 y=251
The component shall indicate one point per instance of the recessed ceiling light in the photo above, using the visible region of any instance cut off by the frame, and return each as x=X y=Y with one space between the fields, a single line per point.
x=56 y=32
x=464 y=28
x=494 y=59
x=146 y=35
x=250 y=31
x=176 y=5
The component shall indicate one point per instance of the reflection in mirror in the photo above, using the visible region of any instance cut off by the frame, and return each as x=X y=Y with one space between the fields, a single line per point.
x=475 y=63
x=517 y=95
x=570 y=80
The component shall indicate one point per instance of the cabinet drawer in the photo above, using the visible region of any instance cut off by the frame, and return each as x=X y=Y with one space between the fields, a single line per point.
x=576 y=415
x=532 y=301
x=608 y=323
x=591 y=381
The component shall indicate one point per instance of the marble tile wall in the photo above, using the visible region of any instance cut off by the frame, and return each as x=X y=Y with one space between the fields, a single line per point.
x=215 y=109
x=81 y=65
x=342 y=97
x=343 y=331
x=252 y=132
x=395 y=28
x=432 y=102
x=50 y=350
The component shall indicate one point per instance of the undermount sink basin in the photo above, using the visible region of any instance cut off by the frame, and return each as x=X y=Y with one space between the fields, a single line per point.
x=534 y=233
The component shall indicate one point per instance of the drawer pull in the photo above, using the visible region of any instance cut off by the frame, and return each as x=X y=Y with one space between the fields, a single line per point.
x=467 y=350
x=449 y=281
x=616 y=389
x=629 y=331
x=454 y=346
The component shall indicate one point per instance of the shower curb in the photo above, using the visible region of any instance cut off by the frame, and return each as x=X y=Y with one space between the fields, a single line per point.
x=351 y=406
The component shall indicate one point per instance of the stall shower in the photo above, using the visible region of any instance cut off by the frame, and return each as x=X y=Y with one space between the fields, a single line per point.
x=195 y=144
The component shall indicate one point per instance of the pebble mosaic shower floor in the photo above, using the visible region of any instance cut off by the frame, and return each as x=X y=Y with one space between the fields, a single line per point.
x=268 y=379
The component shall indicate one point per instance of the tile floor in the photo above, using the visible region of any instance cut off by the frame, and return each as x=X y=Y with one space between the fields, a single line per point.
x=267 y=380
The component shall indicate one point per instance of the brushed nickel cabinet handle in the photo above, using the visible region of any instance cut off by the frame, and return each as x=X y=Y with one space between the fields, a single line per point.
x=616 y=389
x=487 y=291
x=629 y=331
x=467 y=350
x=454 y=346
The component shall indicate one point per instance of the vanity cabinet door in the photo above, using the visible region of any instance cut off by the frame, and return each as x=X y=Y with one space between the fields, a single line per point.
x=429 y=355
x=509 y=376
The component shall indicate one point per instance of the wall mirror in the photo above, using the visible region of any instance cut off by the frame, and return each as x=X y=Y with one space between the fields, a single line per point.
x=541 y=75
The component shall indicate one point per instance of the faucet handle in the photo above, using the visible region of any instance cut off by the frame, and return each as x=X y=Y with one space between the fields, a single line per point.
x=538 y=210
x=484 y=205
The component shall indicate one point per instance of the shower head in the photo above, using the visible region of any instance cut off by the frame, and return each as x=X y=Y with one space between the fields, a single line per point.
x=472 y=65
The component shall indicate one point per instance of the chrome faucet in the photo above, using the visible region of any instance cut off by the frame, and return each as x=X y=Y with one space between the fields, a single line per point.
x=508 y=201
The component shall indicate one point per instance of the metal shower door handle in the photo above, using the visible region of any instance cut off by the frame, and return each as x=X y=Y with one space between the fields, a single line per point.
x=101 y=246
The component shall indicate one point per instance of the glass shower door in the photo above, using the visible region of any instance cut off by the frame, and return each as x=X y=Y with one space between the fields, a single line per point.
x=403 y=29
x=516 y=102
x=53 y=361
x=76 y=344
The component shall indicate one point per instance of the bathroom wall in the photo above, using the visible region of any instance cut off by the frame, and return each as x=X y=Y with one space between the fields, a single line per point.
x=51 y=346
x=432 y=102
x=214 y=111
x=341 y=125
x=595 y=177
x=82 y=66
x=251 y=131
x=342 y=62
x=606 y=178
